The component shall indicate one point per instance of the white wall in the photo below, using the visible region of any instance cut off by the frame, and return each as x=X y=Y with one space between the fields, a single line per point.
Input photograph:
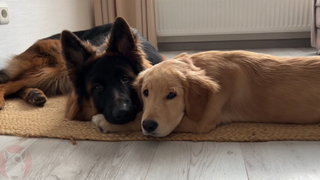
x=35 y=19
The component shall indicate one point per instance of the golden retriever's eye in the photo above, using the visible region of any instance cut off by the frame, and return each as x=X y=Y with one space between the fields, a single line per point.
x=125 y=79
x=146 y=93
x=171 y=95
x=98 y=87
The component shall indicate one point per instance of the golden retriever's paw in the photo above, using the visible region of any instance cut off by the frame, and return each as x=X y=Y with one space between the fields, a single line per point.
x=37 y=97
x=2 y=102
x=101 y=123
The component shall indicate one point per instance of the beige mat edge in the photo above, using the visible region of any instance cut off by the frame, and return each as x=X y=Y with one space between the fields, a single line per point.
x=22 y=120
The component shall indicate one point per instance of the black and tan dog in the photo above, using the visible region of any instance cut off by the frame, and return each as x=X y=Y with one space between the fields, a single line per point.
x=94 y=67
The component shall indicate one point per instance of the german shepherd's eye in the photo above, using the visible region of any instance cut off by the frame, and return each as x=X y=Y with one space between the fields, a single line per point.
x=125 y=79
x=146 y=93
x=171 y=95
x=98 y=87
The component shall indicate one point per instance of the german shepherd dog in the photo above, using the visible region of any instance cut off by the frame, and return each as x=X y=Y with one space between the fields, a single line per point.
x=95 y=68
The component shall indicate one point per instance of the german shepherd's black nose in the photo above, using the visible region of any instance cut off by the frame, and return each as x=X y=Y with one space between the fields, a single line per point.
x=121 y=112
x=149 y=125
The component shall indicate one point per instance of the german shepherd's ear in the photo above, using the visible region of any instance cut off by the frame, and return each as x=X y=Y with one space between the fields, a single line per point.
x=75 y=52
x=122 y=39
x=198 y=89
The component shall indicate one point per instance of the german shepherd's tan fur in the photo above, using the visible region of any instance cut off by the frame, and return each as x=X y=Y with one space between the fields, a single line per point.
x=35 y=73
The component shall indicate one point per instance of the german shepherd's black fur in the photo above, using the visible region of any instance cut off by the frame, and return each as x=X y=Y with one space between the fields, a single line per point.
x=94 y=67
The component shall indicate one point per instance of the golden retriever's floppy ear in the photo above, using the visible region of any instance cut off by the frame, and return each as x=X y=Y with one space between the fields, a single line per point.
x=198 y=89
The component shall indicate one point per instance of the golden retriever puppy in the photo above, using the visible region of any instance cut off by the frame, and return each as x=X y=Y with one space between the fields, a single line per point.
x=198 y=92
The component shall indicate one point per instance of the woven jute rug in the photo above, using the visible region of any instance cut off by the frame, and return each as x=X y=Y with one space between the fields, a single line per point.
x=20 y=119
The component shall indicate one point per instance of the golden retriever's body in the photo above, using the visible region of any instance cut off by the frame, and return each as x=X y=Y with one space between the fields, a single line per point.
x=217 y=87
x=262 y=88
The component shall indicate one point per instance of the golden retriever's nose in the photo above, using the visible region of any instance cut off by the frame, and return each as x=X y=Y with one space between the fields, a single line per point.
x=149 y=125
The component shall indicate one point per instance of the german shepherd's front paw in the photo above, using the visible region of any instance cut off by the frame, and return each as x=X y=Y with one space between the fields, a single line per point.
x=102 y=124
x=37 y=97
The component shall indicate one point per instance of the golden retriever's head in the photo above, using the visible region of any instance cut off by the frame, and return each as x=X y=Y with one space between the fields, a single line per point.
x=169 y=91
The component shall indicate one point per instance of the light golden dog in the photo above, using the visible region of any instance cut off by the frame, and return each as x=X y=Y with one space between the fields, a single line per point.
x=198 y=92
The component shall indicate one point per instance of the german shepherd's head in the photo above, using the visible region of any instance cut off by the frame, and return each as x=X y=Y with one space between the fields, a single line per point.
x=102 y=76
